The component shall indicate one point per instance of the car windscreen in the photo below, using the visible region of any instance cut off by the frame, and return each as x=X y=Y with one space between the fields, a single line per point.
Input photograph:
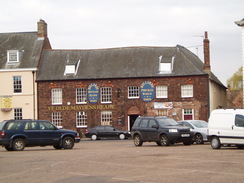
x=200 y=124
x=167 y=122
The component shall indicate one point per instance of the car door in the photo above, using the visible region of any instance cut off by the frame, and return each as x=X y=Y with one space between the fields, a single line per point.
x=32 y=131
x=110 y=131
x=49 y=134
x=152 y=131
x=144 y=128
x=101 y=132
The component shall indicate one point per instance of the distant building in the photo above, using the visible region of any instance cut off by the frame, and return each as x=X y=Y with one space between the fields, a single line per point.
x=79 y=89
x=20 y=53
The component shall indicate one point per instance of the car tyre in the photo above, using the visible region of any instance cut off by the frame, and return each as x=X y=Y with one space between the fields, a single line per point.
x=199 y=139
x=164 y=140
x=94 y=137
x=18 y=144
x=57 y=146
x=137 y=140
x=121 y=136
x=8 y=148
x=240 y=146
x=215 y=143
x=68 y=143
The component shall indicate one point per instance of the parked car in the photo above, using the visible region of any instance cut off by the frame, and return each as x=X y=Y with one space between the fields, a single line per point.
x=106 y=131
x=162 y=130
x=199 y=128
x=226 y=128
x=18 y=134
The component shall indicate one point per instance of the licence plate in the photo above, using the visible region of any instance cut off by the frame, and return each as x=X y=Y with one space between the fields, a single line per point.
x=185 y=135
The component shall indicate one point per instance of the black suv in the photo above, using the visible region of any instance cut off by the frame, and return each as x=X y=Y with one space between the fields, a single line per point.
x=15 y=135
x=162 y=130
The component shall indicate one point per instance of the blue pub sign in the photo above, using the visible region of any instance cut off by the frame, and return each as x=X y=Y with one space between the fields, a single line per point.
x=93 y=93
x=147 y=91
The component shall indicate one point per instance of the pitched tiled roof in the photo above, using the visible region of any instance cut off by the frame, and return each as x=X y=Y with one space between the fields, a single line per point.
x=125 y=62
x=28 y=45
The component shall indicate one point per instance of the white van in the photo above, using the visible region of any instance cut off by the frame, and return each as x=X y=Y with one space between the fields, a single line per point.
x=226 y=127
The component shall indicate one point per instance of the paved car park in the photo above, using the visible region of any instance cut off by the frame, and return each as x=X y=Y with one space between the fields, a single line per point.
x=119 y=161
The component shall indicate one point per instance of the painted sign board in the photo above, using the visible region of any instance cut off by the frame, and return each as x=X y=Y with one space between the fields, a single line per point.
x=147 y=91
x=93 y=93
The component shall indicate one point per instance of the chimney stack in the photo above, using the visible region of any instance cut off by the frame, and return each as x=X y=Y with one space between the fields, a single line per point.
x=42 y=28
x=206 y=51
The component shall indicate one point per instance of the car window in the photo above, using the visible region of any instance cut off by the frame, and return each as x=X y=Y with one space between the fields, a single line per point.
x=239 y=120
x=45 y=125
x=100 y=128
x=13 y=125
x=151 y=123
x=187 y=125
x=1 y=125
x=144 y=123
x=167 y=122
x=109 y=128
x=136 y=123
x=200 y=124
x=31 y=125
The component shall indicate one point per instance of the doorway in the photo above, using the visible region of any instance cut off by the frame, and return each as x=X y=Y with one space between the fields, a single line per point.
x=131 y=120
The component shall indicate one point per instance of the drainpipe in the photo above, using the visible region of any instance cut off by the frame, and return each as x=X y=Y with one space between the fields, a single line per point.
x=34 y=94
x=241 y=24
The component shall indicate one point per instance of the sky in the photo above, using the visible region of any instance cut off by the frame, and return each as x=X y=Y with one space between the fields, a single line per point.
x=95 y=24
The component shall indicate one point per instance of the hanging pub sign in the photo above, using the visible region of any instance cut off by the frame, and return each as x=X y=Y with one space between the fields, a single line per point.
x=147 y=91
x=93 y=93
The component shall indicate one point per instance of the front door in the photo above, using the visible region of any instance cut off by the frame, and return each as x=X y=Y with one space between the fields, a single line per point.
x=132 y=119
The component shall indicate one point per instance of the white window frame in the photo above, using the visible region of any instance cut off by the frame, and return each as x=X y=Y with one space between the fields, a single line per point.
x=11 y=54
x=57 y=119
x=18 y=113
x=162 y=91
x=56 y=96
x=106 y=94
x=17 y=84
x=81 y=119
x=81 y=95
x=133 y=92
x=186 y=91
x=106 y=117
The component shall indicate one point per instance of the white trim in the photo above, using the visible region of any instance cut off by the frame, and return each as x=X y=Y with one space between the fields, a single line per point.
x=18 y=70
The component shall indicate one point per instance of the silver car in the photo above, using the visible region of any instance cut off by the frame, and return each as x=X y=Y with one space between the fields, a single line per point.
x=199 y=128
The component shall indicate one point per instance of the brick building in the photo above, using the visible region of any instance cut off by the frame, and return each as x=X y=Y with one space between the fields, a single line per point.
x=79 y=89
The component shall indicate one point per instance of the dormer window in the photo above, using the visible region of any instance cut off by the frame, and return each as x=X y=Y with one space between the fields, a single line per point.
x=13 y=56
x=166 y=65
x=71 y=68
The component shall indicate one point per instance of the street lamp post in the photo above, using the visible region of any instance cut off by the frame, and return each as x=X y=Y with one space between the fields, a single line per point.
x=241 y=24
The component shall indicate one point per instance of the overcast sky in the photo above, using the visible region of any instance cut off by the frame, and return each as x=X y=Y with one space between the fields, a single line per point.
x=94 y=24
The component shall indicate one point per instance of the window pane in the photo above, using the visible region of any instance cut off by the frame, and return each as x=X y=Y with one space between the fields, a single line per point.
x=81 y=95
x=81 y=119
x=18 y=113
x=17 y=84
x=188 y=114
x=133 y=92
x=106 y=94
x=57 y=96
x=57 y=119
x=162 y=91
x=106 y=117
x=13 y=56
x=187 y=91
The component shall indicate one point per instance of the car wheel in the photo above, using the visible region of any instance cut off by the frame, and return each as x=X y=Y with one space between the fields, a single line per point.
x=94 y=137
x=121 y=136
x=164 y=140
x=215 y=143
x=8 y=148
x=199 y=139
x=57 y=146
x=68 y=143
x=18 y=144
x=137 y=140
